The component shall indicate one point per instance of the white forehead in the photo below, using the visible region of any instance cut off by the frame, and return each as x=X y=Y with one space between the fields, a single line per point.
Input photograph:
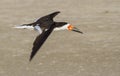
x=64 y=27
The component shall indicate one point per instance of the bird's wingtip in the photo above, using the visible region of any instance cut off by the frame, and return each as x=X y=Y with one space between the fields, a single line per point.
x=31 y=57
x=58 y=11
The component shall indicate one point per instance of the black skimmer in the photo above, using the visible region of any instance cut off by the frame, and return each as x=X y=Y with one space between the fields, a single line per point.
x=45 y=25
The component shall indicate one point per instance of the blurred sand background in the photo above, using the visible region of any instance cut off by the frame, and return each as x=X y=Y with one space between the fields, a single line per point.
x=65 y=53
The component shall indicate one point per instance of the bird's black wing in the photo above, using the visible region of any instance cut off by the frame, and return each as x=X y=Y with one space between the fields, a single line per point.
x=40 y=40
x=47 y=17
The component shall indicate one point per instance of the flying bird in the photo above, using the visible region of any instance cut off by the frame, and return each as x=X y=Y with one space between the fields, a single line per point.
x=45 y=25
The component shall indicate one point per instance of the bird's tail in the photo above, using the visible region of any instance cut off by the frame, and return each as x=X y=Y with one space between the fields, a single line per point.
x=25 y=26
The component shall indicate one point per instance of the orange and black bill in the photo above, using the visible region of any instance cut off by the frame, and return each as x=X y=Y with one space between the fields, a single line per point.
x=77 y=30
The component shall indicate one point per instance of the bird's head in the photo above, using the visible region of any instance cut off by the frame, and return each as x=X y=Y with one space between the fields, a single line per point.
x=72 y=28
x=65 y=25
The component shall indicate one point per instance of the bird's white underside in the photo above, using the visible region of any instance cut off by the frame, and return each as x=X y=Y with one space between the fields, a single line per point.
x=37 y=27
x=64 y=27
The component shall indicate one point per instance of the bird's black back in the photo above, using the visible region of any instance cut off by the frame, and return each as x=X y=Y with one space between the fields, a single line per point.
x=47 y=20
x=44 y=21
x=59 y=24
